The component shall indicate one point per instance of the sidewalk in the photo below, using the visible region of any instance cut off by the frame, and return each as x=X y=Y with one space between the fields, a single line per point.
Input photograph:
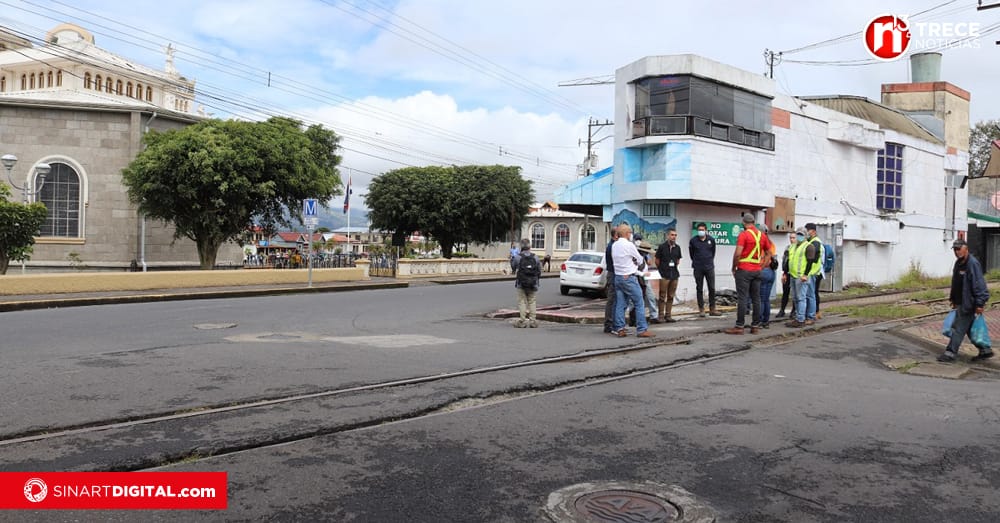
x=928 y=333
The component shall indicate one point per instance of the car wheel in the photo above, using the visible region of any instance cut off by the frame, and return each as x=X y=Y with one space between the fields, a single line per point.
x=564 y=290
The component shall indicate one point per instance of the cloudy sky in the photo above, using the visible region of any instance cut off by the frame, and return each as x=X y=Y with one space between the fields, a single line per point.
x=420 y=82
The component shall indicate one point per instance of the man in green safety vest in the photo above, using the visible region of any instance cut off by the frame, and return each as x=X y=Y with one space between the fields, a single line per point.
x=804 y=264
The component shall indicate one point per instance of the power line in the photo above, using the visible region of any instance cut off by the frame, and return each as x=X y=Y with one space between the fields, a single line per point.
x=300 y=88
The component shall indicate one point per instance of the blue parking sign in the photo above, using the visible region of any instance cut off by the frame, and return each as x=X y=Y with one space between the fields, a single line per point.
x=309 y=207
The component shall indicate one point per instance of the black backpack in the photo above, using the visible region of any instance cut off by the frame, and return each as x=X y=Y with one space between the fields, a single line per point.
x=528 y=271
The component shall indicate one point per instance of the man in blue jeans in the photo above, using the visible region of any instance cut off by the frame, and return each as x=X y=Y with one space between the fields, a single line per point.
x=628 y=265
x=969 y=295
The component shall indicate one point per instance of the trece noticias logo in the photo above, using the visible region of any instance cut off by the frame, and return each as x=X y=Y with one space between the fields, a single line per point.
x=35 y=490
x=888 y=37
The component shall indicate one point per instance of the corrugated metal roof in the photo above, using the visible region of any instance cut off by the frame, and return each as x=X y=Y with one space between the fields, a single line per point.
x=886 y=117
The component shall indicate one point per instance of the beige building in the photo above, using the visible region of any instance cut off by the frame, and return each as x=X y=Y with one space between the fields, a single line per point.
x=83 y=110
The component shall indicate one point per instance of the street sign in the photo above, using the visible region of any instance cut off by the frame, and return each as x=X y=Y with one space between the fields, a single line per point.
x=725 y=233
x=311 y=221
x=309 y=207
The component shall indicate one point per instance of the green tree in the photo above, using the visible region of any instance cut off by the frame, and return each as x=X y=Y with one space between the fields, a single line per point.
x=453 y=205
x=982 y=135
x=19 y=224
x=216 y=179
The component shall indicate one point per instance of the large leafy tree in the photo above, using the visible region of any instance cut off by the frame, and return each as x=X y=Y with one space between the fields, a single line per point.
x=453 y=205
x=19 y=224
x=980 y=138
x=216 y=179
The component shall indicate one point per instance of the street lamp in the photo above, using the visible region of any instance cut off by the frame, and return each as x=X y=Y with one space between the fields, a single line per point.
x=43 y=169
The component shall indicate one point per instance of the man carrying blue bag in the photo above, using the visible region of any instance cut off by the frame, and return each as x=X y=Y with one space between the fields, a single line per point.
x=969 y=295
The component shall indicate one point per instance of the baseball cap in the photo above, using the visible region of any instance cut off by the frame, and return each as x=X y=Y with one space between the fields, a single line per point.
x=958 y=243
x=811 y=226
x=748 y=218
x=800 y=230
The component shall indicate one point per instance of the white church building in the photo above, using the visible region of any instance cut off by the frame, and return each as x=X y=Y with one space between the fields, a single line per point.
x=700 y=141
x=83 y=111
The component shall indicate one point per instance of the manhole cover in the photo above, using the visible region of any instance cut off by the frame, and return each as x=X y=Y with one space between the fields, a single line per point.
x=619 y=501
x=622 y=505
x=214 y=326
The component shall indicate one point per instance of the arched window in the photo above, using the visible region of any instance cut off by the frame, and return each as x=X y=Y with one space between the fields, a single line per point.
x=3 y=84
x=49 y=79
x=562 y=237
x=538 y=236
x=24 y=82
x=118 y=87
x=58 y=78
x=149 y=94
x=588 y=237
x=128 y=89
x=138 y=91
x=32 y=80
x=86 y=81
x=61 y=195
x=98 y=83
x=107 y=85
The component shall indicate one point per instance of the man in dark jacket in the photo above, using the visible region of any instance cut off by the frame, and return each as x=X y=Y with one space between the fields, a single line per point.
x=969 y=295
x=702 y=251
x=668 y=260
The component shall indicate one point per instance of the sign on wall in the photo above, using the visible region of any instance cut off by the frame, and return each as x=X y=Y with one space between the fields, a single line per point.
x=725 y=233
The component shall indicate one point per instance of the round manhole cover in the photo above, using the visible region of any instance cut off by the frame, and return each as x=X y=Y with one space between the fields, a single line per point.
x=622 y=505
x=626 y=502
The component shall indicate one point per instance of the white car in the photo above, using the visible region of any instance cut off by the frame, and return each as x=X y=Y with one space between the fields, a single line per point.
x=584 y=270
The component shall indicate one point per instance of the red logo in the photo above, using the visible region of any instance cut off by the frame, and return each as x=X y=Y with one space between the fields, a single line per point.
x=887 y=37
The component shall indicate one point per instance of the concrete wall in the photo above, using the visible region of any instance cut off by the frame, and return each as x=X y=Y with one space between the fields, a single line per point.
x=98 y=145
x=15 y=284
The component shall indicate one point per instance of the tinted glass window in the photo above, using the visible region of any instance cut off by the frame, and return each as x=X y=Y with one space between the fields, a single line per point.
x=586 y=258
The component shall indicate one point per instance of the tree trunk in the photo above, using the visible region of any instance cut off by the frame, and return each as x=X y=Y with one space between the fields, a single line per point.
x=208 y=250
x=446 y=248
x=4 y=263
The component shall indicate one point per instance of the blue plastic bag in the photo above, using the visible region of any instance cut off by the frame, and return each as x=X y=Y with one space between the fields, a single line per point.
x=980 y=333
x=949 y=320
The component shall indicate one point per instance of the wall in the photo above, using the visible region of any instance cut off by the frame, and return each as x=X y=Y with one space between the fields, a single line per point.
x=98 y=145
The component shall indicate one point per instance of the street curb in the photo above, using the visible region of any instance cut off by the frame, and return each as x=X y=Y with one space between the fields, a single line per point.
x=179 y=296
x=503 y=277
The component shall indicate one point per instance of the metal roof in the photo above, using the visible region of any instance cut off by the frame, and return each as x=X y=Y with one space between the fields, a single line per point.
x=886 y=117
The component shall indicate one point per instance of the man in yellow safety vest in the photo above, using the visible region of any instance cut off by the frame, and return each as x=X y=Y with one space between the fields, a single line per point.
x=803 y=265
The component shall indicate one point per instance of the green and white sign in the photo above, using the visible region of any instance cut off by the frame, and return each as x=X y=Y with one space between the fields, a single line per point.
x=725 y=233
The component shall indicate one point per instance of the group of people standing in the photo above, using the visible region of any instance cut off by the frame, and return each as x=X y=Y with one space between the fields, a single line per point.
x=754 y=267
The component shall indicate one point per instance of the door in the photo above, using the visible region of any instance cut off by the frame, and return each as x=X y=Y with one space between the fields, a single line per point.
x=832 y=235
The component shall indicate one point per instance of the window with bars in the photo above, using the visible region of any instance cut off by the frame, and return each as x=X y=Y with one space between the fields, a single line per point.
x=537 y=236
x=655 y=209
x=562 y=237
x=889 y=185
x=61 y=195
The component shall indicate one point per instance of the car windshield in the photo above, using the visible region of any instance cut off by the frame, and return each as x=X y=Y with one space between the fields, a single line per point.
x=587 y=258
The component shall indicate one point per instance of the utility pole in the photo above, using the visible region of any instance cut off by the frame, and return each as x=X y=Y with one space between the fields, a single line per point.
x=771 y=59
x=591 y=124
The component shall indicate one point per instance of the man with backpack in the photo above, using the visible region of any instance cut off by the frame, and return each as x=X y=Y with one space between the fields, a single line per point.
x=527 y=273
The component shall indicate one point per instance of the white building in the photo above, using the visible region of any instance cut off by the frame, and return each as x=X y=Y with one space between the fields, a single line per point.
x=700 y=141
x=68 y=103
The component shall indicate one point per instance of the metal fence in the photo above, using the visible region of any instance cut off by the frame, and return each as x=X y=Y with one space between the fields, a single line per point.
x=383 y=265
x=320 y=261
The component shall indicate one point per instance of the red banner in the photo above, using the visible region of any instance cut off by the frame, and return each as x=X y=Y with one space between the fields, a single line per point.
x=113 y=490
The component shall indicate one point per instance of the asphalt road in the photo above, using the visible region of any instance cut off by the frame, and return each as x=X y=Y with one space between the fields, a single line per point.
x=814 y=430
